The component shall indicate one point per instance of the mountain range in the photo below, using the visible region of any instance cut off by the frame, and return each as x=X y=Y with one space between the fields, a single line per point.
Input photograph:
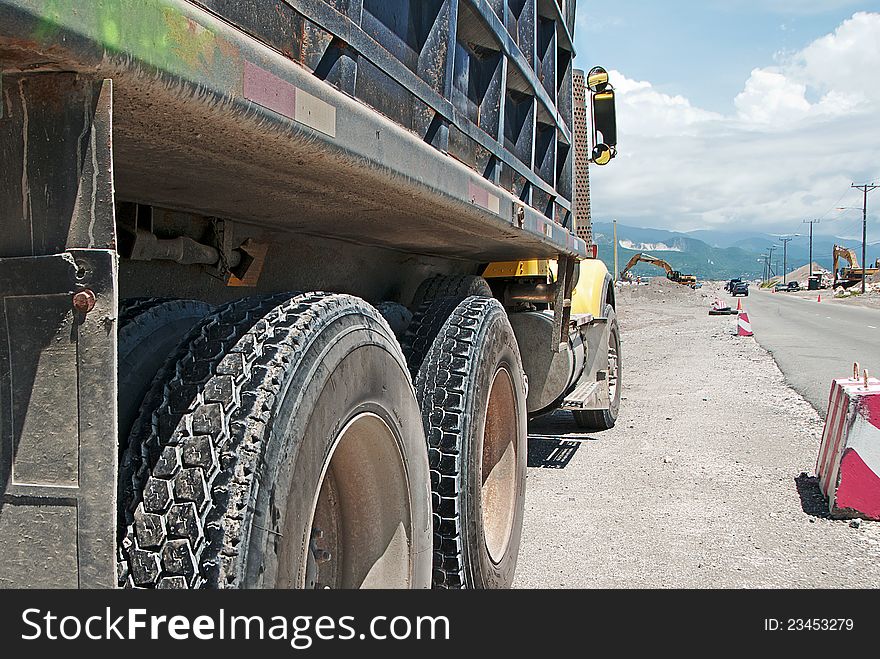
x=711 y=254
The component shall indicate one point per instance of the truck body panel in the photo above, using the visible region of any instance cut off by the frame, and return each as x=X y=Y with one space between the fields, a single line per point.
x=346 y=145
x=211 y=119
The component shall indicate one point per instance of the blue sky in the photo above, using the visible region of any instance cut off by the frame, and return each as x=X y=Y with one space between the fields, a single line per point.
x=703 y=50
x=738 y=113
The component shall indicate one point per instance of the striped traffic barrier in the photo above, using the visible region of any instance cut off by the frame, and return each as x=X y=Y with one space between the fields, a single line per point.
x=848 y=466
x=744 y=327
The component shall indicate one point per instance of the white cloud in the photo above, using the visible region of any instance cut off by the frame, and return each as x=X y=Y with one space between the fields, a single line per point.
x=646 y=111
x=838 y=68
x=846 y=60
x=772 y=98
x=798 y=134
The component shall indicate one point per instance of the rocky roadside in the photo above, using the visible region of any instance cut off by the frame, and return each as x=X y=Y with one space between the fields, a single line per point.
x=699 y=485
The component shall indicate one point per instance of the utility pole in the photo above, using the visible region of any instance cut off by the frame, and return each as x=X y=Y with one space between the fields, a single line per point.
x=616 y=268
x=811 y=223
x=785 y=242
x=868 y=187
x=770 y=262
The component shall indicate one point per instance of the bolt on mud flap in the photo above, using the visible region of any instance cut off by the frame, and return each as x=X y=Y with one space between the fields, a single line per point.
x=58 y=310
x=57 y=421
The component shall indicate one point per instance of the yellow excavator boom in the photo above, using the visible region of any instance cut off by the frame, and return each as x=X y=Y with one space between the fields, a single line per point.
x=672 y=274
x=645 y=258
x=848 y=255
x=854 y=273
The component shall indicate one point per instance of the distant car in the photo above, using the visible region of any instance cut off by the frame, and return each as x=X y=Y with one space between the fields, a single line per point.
x=740 y=288
x=781 y=288
x=794 y=286
x=729 y=285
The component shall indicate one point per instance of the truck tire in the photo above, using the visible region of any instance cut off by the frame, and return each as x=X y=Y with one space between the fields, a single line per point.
x=397 y=316
x=605 y=419
x=149 y=331
x=472 y=391
x=457 y=286
x=426 y=324
x=284 y=448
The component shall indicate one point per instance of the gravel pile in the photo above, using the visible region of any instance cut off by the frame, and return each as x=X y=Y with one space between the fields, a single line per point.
x=656 y=290
x=802 y=274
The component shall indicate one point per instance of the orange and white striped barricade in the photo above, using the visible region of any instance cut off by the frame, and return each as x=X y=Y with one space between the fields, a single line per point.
x=849 y=456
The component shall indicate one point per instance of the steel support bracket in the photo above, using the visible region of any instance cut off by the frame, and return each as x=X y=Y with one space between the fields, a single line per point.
x=562 y=301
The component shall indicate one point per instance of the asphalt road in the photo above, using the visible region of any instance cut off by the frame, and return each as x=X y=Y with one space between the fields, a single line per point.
x=814 y=342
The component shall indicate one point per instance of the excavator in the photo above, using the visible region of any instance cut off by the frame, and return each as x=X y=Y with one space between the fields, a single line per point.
x=852 y=275
x=672 y=275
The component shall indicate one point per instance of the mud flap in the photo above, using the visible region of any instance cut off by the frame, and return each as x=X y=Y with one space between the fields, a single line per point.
x=58 y=308
x=591 y=392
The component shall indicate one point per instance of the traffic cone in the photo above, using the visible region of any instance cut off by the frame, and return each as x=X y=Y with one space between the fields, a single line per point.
x=744 y=327
x=739 y=305
x=819 y=299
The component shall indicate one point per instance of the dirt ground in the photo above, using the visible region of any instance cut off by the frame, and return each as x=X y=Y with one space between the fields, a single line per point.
x=699 y=485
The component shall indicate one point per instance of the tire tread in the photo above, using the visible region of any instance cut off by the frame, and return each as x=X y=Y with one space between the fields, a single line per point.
x=458 y=286
x=186 y=478
x=444 y=376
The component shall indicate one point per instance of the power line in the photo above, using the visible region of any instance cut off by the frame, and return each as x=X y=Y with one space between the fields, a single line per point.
x=834 y=207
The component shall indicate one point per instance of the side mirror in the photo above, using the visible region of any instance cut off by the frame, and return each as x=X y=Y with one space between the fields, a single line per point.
x=602 y=154
x=597 y=80
x=604 y=111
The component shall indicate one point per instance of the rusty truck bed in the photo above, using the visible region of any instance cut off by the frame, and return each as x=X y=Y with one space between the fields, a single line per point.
x=446 y=134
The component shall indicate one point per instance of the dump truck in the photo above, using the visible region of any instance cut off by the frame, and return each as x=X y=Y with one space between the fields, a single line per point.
x=283 y=282
x=671 y=273
x=853 y=274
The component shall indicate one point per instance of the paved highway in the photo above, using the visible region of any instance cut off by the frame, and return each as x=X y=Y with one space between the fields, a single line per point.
x=815 y=342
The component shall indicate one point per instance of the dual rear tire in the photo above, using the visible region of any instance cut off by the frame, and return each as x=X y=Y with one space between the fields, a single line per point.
x=473 y=396
x=283 y=445
x=280 y=447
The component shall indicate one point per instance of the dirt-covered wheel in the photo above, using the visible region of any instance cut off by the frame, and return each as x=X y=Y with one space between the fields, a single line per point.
x=454 y=286
x=472 y=391
x=149 y=331
x=397 y=316
x=599 y=420
x=426 y=324
x=282 y=448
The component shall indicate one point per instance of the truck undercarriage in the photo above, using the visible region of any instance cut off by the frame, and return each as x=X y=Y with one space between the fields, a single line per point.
x=173 y=173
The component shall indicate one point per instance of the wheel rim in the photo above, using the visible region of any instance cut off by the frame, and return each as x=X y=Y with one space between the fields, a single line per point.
x=498 y=476
x=361 y=529
x=613 y=367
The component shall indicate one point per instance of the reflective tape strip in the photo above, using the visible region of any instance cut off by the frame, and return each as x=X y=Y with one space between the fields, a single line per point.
x=834 y=402
x=273 y=93
x=315 y=113
x=481 y=197
x=848 y=400
x=856 y=477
